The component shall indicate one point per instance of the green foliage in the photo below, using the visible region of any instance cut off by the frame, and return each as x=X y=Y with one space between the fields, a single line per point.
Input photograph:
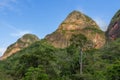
x=36 y=74
x=41 y=61
x=93 y=29
x=37 y=54
x=82 y=77
x=78 y=40
x=116 y=17
x=4 y=76
x=111 y=51
x=63 y=31
x=113 y=71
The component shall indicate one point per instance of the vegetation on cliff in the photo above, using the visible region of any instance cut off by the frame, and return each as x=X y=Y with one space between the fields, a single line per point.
x=25 y=41
x=75 y=51
x=41 y=61
x=76 y=23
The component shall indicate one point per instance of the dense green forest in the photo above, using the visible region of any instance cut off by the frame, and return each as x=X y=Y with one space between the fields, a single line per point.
x=41 y=61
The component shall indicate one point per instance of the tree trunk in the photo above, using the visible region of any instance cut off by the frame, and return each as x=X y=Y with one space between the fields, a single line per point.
x=81 y=66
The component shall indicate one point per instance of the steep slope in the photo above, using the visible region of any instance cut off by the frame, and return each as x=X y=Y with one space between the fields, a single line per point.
x=21 y=43
x=76 y=23
x=113 y=30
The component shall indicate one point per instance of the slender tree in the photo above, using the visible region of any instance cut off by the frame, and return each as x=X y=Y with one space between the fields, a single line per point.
x=79 y=42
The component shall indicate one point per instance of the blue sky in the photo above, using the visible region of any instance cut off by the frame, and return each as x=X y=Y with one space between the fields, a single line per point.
x=42 y=17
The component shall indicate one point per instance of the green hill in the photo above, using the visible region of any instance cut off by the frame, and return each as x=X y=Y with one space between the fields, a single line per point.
x=81 y=60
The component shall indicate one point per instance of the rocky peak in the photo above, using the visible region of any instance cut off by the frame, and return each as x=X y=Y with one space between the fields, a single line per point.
x=28 y=38
x=76 y=23
x=113 y=31
x=20 y=44
x=73 y=16
x=77 y=20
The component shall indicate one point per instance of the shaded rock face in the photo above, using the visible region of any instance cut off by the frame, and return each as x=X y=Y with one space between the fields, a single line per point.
x=113 y=31
x=20 y=44
x=76 y=23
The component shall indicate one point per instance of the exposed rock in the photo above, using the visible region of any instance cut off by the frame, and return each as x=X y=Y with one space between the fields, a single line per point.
x=75 y=23
x=113 y=30
x=20 y=44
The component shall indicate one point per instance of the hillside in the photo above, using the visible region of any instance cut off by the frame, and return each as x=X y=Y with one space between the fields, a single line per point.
x=76 y=23
x=41 y=61
x=20 y=44
x=64 y=54
x=113 y=31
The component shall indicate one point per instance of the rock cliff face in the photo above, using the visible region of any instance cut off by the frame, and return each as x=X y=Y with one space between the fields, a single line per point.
x=21 y=43
x=113 y=30
x=76 y=23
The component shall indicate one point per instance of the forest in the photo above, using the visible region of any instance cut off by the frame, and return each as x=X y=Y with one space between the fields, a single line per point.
x=41 y=61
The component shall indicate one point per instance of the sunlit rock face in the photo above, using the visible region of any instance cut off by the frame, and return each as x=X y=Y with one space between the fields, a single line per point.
x=113 y=31
x=75 y=23
x=20 y=44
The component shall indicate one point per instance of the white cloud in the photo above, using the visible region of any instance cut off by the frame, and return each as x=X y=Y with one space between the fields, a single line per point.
x=16 y=32
x=10 y=6
x=7 y=3
x=16 y=6
x=2 y=50
x=20 y=33
x=101 y=23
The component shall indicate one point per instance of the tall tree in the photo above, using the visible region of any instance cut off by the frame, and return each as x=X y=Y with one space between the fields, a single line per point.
x=79 y=41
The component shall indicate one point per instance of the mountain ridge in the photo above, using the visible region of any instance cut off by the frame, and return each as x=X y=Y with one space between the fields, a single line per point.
x=42 y=61
x=112 y=32
x=75 y=23
x=20 y=44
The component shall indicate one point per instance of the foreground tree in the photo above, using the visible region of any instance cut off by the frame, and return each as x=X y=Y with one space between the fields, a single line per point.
x=113 y=72
x=36 y=74
x=80 y=42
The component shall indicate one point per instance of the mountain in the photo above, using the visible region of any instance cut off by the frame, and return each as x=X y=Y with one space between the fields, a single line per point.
x=113 y=30
x=76 y=23
x=42 y=61
x=20 y=44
